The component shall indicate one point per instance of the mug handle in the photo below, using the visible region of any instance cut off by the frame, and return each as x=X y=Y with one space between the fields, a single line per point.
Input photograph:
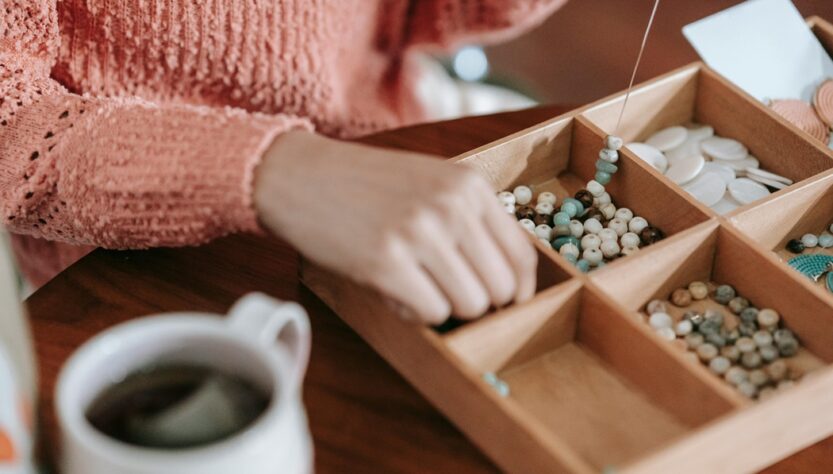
x=270 y=321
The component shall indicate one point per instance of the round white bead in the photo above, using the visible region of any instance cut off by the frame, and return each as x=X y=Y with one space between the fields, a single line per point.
x=576 y=228
x=608 y=234
x=637 y=224
x=629 y=239
x=608 y=210
x=629 y=251
x=610 y=248
x=613 y=142
x=666 y=334
x=544 y=208
x=569 y=249
x=591 y=241
x=522 y=194
x=509 y=208
x=547 y=196
x=618 y=225
x=594 y=256
x=684 y=327
x=592 y=226
x=624 y=213
x=595 y=188
x=809 y=240
x=543 y=231
x=505 y=197
x=546 y=242
x=601 y=200
x=611 y=156
x=527 y=224
x=660 y=320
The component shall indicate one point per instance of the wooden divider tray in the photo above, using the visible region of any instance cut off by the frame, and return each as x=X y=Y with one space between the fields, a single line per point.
x=592 y=387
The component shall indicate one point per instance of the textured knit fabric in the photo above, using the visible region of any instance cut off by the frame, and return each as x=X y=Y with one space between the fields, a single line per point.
x=139 y=123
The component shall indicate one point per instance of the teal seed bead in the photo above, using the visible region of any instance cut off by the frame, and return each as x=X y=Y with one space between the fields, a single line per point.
x=606 y=166
x=575 y=202
x=602 y=177
x=583 y=265
x=563 y=218
x=565 y=239
x=570 y=209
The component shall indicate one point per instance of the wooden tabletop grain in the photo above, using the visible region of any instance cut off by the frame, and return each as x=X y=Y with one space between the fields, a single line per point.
x=364 y=417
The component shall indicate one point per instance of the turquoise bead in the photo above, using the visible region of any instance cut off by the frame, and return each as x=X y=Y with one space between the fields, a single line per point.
x=565 y=239
x=570 y=209
x=606 y=166
x=602 y=177
x=583 y=265
x=562 y=218
x=825 y=241
x=575 y=202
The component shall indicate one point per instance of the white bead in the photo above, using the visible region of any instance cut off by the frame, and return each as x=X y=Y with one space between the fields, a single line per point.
x=544 y=208
x=544 y=231
x=509 y=208
x=601 y=200
x=546 y=242
x=630 y=239
x=624 y=213
x=629 y=251
x=522 y=194
x=684 y=327
x=547 y=196
x=527 y=224
x=613 y=142
x=569 y=249
x=660 y=320
x=618 y=225
x=611 y=156
x=666 y=334
x=637 y=224
x=610 y=248
x=608 y=210
x=576 y=228
x=594 y=256
x=505 y=197
x=608 y=234
x=595 y=188
x=592 y=226
x=809 y=240
x=591 y=241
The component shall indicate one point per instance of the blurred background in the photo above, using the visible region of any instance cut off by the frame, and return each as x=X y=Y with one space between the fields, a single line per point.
x=586 y=50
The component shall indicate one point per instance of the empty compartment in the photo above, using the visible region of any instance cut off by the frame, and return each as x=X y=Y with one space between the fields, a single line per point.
x=589 y=376
x=699 y=95
x=559 y=156
x=717 y=253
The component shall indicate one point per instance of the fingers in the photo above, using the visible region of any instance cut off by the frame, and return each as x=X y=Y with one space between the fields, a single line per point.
x=410 y=285
x=516 y=247
x=488 y=260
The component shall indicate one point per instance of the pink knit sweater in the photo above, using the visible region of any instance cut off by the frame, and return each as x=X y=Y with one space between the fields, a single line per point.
x=139 y=123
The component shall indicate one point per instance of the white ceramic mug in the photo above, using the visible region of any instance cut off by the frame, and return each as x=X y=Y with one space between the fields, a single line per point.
x=262 y=340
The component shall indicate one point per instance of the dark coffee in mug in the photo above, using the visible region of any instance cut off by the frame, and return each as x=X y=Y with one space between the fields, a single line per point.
x=177 y=406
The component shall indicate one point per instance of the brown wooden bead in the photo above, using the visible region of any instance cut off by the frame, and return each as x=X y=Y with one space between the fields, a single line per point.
x=543 y=219
x=681 y=297
x=585 y=198
x=594 y=213
x=650 y=235
x=525 y=212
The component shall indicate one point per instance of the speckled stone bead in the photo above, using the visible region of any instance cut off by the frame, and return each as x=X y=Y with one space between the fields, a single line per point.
x=621 y=228
x=629 y=239
x=656 y=306
x=795 y=246
x=593 y=255
x=758 y=377
x=809 y=240
x=748 y=389
x=706 y=352
x=505 y=197
x=746 y=344
x=576 y=228
x=547 y=196
x=610 y=248
x=602 y=199
x=624 y=213
x=525 y=212
x=545 y=208
x=585 y=198
x=731 y=335
x=523 y=195
x=684 y=328
x=777 y=370
x=738 y=304
x=826 y=240
x=558 y=242
x=608 y=234
x=788 y=347
x=681 y=297
x=768 y=318
x=746 y=328
x=719 y=365
x=595 y=188
x=750 y=360
x=762 y=338
x=569 y=250
x=544 y=232
x=637 y=224
x=602 y=177
x=650 y=235
x=736 y=375
x=628 y=251
x=695 y=317
x=592 y=226
x=583 y=265
x=608 y=156
x=710 y=326
x=768 y=353
x=528 y=225
x=608 y=210
x=730 y=352
x=561 y=218
x=613 y=142
x=591 y=241
x=780 y=334
x=694 y=340
x=717 y=339
x=749 y=314
x=724 y=294
x=606 y=167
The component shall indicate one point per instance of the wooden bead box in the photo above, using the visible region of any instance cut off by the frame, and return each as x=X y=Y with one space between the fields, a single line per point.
x=593 y=388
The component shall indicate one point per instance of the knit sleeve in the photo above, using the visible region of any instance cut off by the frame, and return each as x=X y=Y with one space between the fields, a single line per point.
x=447 y=23
x=116 y=172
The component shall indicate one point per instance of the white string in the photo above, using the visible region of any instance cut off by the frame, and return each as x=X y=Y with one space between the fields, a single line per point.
x=636 y=66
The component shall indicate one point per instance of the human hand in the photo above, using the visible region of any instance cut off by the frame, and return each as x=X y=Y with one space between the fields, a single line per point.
x=428 y=234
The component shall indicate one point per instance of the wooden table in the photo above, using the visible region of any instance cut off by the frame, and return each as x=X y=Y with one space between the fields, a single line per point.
x=364 y=417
